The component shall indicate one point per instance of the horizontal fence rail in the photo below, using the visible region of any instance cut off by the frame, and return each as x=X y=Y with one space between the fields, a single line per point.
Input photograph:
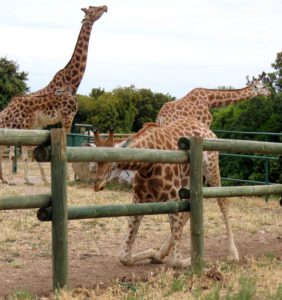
x=25 y=202
x=60 y=213
x=248 y=132
x=19 y=137
x=105 y=211
x=106 y=154
x=235 y=191
x=242 y=146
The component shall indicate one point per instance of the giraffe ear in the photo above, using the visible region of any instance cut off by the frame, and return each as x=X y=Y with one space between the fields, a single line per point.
x=111 y=134
x=84 y=10
x=96 y=135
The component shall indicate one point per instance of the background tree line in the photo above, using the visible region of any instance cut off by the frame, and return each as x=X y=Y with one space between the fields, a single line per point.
x=128 y=108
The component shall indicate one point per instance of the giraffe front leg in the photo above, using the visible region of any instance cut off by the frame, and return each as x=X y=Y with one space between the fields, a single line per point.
x=1 y=165
x=126 y=257
x=10 y=177
x=42 y=174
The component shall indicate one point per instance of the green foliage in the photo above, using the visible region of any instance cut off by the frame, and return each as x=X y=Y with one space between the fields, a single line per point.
x=23 y=295
x=148 y=106
x=260 y=114
x=96 y=92
x=12 y=81
x=124 y=108
x=273 y=79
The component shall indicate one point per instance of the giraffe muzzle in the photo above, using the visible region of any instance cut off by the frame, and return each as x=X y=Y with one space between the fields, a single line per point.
x=98 y=184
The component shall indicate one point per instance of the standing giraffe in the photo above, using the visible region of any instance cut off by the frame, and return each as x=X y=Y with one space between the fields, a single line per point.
x=198 y=103
x=56 y=102
x=70 y=76
x=156 y=182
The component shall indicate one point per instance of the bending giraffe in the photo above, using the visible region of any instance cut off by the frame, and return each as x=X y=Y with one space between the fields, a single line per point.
x=156 y=182
x=56 y=102
x=198 y=103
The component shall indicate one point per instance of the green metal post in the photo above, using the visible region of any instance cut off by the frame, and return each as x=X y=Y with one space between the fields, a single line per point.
x=59 y=207
x=196 y=203
x=266 y=171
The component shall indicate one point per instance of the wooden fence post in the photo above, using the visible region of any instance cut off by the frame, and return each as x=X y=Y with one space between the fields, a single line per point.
x=59 y=207
x=196 y=203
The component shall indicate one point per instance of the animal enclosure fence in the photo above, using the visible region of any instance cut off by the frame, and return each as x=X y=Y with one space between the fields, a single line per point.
x=53 y=206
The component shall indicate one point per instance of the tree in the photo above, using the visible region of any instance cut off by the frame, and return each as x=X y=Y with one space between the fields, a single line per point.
x=86 y=106
x=96 y=92
x=12 y=81
x=260 y=114
x=272 y=79
x=148 y=106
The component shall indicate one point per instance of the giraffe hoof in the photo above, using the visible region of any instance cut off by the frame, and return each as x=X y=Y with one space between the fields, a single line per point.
x=28 y=183
x=126 y=261
x=11 y=184
x=156 y=261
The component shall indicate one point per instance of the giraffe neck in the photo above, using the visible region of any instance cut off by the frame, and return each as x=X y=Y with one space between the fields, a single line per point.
x=217 y=98
x=69 y=78
x=77 y=64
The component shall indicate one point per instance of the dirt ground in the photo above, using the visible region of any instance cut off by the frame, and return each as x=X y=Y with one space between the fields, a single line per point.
x=94 y=245
x=89 y=270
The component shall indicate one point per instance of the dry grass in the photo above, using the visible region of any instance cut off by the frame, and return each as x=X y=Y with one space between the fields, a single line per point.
x=256 y=277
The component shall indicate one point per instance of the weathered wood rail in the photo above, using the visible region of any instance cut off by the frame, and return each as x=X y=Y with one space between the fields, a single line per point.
x=53 y=206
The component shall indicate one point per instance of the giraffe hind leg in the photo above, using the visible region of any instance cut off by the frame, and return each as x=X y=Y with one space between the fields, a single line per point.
x=177 y=222
x=169 y=245
x=212 y=175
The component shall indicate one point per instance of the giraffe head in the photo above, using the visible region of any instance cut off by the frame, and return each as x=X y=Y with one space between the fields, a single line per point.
x=93 y=13
x=259 y=89
x=104 y=170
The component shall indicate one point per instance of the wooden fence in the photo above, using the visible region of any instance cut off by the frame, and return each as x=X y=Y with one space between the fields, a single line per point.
x=53 y=207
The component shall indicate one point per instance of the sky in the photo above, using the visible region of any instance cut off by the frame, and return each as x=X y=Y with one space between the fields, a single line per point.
x=164 y=45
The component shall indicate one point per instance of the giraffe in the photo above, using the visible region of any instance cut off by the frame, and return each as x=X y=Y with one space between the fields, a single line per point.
x=59 y=93
x=36 y=112
x=86 y=171
x=70 y=76
x=156 y=182
x=198 y=103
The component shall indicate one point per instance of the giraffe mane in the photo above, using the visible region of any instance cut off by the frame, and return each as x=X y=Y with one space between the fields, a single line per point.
x=145 y=127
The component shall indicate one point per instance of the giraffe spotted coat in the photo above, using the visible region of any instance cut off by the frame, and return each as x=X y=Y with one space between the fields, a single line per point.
x=156 y=182
x=198 y=103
